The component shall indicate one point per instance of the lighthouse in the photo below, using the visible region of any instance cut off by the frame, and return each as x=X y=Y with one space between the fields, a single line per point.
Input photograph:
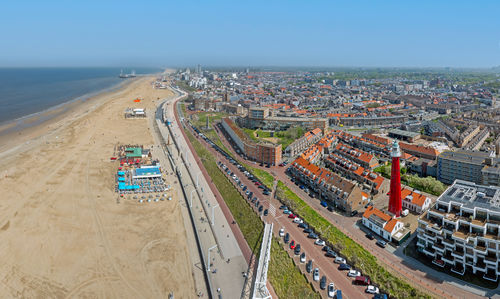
x=395 y=204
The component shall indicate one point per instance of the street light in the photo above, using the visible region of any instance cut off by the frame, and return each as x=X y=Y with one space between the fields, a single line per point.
x=213 y=213
x=191 y=203
x=208 y=260
x=197 y=179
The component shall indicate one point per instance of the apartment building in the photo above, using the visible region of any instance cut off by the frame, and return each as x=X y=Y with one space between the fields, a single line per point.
x=477 y=167
x=303 y=142
x=340 y=192
x=393 y=120
x=367 y=179
x=362 y=158
x=477 y=142
x=419 y=150
x=261 y=152
x=462 y=230
x=467 y=135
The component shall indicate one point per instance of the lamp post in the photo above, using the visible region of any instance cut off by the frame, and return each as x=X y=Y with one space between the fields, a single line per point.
x=208 y=257
x=213 y=213
x=191 y=203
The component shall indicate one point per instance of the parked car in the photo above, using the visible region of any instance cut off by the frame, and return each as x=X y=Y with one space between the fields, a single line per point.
x=381 y=243
x=322 y=283
x=372 y=289
x=292 y=244
x=362 y=280
x=330 y=208
x=282 y=232
x=331 y=253
x=303 y=225
x=353 y=273
x=324 y=204
x=309 y=266
x=266 y=192
x=380 y=296
x=370 y=236
x=339 y=260
x=303 y=257
x=307 y=230
x=286 y=212
x=266 y=212
x=283 y=207
x=297 y=249
x=312 y=236
x=354 y=213
x=326 y=248
x=319 y=242
x=344 y=267
x=316 y=274
x=286 y=238
x=297 y=220
x=331 y=290
x=261 y=208
x=292 y=216
x=338 y=294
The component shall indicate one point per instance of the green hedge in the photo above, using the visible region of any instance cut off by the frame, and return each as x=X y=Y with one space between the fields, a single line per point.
x=354 y=253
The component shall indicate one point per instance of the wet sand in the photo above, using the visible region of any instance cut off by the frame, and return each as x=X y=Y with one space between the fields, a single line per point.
x=62 y=232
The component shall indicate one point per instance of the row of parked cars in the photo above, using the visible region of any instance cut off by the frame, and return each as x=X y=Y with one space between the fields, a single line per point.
x=329 y=252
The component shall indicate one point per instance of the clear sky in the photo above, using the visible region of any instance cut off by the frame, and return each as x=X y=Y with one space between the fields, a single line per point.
x=250 y=33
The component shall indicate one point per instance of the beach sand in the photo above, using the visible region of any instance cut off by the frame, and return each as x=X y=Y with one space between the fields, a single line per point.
x=62 y=232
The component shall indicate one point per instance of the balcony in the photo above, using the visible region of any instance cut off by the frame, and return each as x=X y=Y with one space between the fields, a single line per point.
x=458 y=253
x=429 y=251
x=459 y=235
x=439 y=247
x=491 y=275
x=430 y=235
x=448 y=242
x=480 y=265
x=437 y=212
x=459 y=269
x=491 y=237
x=435 y=228
x=492 y=260
x=480 y=249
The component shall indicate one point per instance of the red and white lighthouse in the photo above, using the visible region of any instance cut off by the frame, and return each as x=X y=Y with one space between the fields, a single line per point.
x=395 y=203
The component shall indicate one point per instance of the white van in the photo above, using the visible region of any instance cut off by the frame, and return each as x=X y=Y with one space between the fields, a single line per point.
x=405 y=212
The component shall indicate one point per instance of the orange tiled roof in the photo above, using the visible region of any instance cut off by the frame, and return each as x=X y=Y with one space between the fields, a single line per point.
x=390 y=225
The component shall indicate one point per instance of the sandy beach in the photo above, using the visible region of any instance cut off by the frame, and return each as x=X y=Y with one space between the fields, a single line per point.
x=62 y=232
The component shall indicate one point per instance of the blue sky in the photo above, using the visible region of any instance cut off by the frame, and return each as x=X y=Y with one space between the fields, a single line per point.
x=250 y=33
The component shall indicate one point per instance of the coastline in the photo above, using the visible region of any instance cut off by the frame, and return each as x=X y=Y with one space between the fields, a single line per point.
x=65 y=232
x=30 y=128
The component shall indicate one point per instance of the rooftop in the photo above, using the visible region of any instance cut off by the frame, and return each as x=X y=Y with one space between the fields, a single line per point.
x=404 y=133
x=471 y=195
x=465 y=156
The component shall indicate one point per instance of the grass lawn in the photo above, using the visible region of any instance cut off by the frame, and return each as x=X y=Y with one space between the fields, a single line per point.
x=354 y=253
x=286 y=280
x=285 y=138
x=285 y=277
x=265 y=177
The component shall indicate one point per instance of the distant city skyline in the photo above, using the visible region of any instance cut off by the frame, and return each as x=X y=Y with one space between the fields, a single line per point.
x=454 y=34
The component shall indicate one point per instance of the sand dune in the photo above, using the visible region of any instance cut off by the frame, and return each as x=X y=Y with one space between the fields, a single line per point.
x=62 y=233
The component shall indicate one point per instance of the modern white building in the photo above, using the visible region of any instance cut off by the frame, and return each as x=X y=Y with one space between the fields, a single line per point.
x=381 y=223
x=462 y=230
